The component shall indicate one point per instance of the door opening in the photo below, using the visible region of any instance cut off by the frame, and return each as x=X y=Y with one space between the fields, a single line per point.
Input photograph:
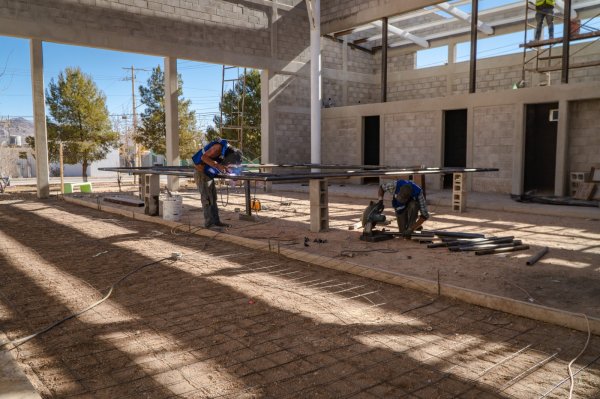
x=371 y=145
x=455 y=141
x=540 y=149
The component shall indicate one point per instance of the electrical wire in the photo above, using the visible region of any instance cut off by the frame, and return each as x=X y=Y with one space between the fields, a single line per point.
x=572 y=384
x=20 y=341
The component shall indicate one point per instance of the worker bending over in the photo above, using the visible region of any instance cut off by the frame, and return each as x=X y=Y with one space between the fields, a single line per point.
x=407 y=201
x=209 y=162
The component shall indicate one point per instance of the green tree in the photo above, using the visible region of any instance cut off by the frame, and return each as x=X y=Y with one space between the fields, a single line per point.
x=79 y=118
x=152 y=133
x=230 y=105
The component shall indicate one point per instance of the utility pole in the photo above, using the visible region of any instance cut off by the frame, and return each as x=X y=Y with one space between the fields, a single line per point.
x=137 y=152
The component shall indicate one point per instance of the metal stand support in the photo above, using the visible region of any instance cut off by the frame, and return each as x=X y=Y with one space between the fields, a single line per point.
x=319 y=205
x=459 y=195
x=248 y=214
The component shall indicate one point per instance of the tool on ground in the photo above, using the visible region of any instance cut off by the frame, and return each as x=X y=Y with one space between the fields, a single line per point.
x=372 y=215
x=255 y=204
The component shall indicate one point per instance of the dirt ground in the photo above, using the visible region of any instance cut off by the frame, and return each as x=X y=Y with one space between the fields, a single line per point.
x=567 y=278
x=227 y=321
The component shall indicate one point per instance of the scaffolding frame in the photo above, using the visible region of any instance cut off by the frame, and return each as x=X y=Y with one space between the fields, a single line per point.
x=542 y=49
x=233 y=131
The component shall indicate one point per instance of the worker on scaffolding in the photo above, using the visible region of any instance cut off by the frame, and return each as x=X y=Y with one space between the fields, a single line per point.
x=209 y=162
x=544 y=9
x=408 y=201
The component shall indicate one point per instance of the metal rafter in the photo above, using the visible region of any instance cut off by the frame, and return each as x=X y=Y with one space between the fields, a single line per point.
x=460 y=14
x=403 y=34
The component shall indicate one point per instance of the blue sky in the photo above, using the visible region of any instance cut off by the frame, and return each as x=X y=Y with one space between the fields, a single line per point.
x=201 y=82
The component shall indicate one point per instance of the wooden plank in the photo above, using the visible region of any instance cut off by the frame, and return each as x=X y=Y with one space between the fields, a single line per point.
x=124 y=201
x=585 y=191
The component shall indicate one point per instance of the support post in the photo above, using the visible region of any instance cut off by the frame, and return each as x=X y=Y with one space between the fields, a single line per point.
x=566 y=42
x=561 y=176
x=473 y=59
x=384 y=58
x=314 y=7
x=319 y=205
x=39 y=118
x=62 y=168
x=172 y=119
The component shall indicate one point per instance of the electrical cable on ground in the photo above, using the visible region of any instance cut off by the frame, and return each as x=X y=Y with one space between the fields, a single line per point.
x=19 y=341
x=572 y=385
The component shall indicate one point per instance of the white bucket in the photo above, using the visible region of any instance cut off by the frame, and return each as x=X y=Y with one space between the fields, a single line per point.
x=172 y=208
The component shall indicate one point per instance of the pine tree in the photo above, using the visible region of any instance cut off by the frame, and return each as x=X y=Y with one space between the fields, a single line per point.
x=152 y=132
x=79 y=118
x=251 y=122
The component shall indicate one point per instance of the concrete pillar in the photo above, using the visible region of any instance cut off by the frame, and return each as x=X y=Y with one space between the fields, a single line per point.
x=39 y=118
x=561 y=184
x=344 y=100
x=265 y=134
x=315 y=82
x=519 y=150
x=172 y=119
x=468 y=183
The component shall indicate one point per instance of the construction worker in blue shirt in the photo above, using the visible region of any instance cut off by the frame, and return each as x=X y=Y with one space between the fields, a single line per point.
x=544 y=9
x=209 y=162
x=408 y=201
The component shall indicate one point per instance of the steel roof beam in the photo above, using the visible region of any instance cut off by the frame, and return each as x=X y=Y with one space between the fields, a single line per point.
x=460 y=14
x=403 y=34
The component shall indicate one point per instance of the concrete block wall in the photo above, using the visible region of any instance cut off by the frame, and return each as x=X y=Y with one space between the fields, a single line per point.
x=341 y=141
x=584 y=135
x=293 y=137
x=363 y=93
x=409 y=138
x=427 y=87
x=493 y=146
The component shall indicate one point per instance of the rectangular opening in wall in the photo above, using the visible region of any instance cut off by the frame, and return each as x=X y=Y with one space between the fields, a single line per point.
x=455 y=141
x=431 y=57
x=540 y=150
x=371 y=144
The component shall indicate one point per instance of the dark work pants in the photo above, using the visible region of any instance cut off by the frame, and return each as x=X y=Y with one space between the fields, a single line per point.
x=541 y=14
x=208 y=195
x=408 y=216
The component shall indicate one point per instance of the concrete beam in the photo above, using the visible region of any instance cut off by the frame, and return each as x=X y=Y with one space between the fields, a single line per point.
x=172 y=119
x=374 y=13
x=39 y=118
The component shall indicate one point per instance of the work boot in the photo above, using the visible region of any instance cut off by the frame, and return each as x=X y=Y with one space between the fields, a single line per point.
x=221 y=224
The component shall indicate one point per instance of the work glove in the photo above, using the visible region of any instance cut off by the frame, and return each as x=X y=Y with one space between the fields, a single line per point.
x=380 y=204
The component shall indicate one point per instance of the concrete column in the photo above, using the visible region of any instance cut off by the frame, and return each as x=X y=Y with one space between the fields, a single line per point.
x=561 y=184
x=519 y=150
x=172 y=119
x=468 y=183
x=265 y=134
x=39 y=118
x=344 y=100
x=315 y=82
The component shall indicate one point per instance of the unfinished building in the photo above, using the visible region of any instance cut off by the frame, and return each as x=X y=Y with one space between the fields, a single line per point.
x=266 y=309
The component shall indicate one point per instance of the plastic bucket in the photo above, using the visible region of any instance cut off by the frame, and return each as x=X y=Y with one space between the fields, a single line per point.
x=172 y=208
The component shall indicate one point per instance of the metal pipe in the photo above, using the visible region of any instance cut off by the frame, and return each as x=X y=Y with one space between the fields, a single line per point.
x=473 y=59
x=478 y=241
x=485 y=246
x=566 y=42
x=531 y=261
x=456 y=234
x=502 y=250
x=384 y=56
